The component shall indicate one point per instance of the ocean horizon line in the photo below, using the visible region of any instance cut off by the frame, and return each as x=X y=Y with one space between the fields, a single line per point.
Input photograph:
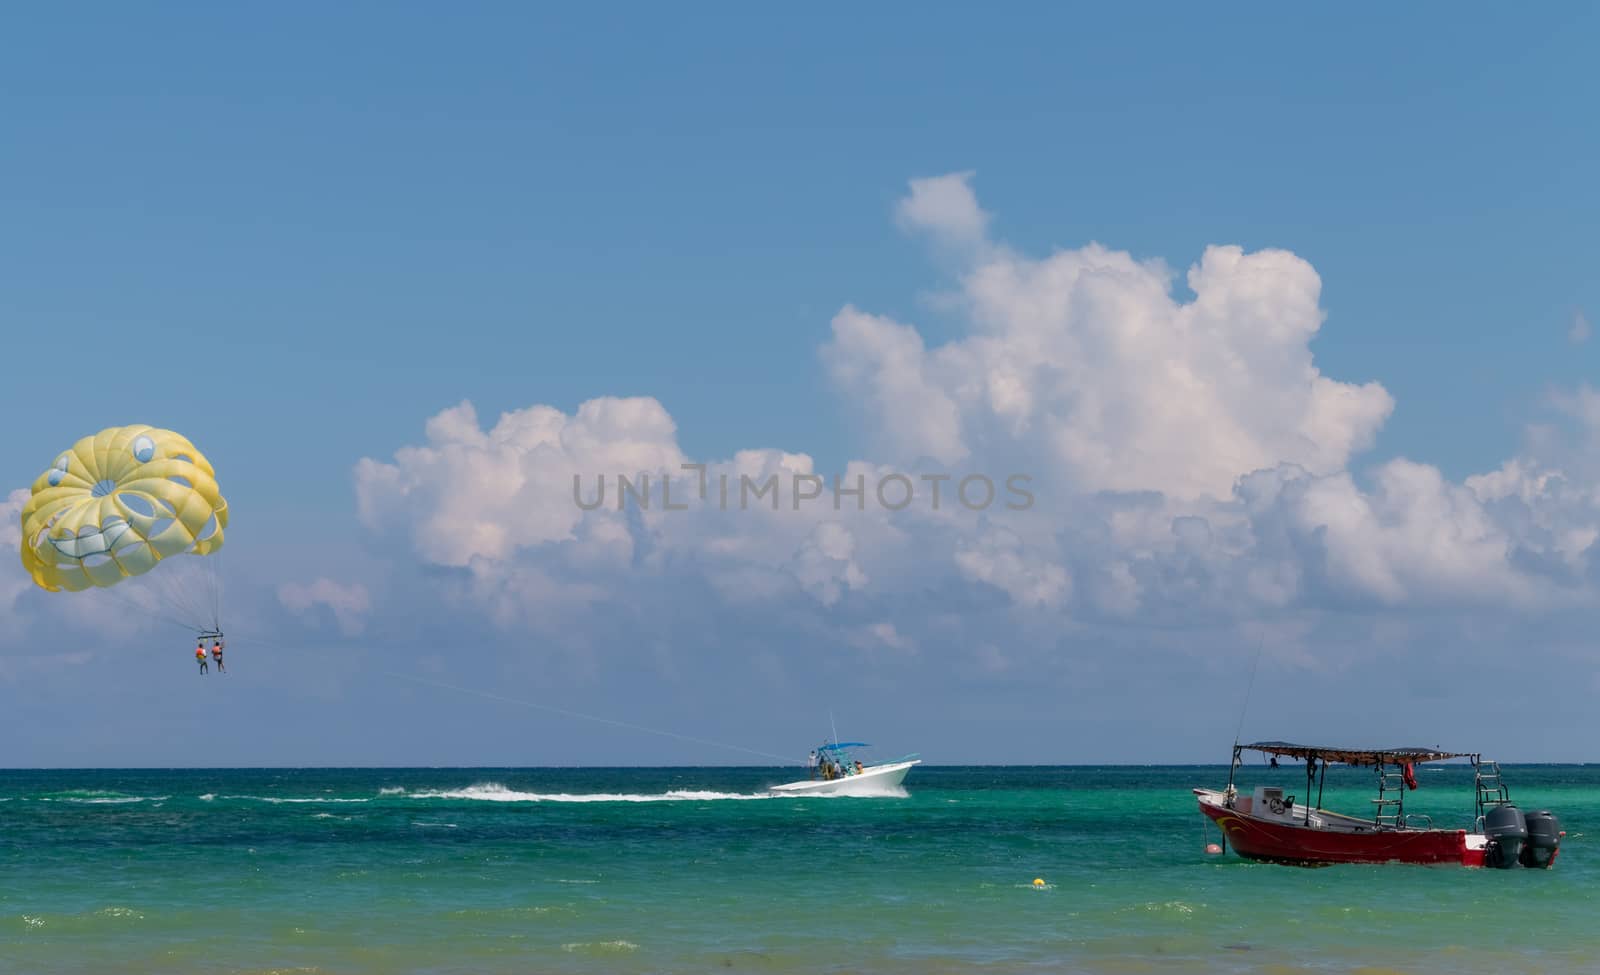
x=620 y=767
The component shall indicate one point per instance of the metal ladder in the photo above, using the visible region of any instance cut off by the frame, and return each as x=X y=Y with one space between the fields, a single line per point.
x=1391 y=797
x=1491 y=790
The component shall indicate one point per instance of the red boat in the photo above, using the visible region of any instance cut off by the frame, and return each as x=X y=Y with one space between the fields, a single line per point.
x=1268 y=825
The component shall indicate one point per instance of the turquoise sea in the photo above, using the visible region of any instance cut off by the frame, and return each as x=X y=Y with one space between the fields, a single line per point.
x=693 y=870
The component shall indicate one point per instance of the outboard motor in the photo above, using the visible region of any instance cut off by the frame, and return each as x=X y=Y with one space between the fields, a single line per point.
x=1506 y=830
x=1544 y=836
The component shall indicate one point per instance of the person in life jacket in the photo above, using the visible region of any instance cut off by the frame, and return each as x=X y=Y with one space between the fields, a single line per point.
x=200 y=656
x=216 y=654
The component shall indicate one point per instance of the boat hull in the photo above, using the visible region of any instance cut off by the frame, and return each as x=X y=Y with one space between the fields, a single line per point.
x=874 y=780
x=1260 y=838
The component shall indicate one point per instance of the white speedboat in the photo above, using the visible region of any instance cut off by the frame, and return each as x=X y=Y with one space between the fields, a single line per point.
x=835 y=773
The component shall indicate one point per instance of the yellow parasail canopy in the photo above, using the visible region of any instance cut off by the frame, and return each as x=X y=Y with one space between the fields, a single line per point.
x=116 y=504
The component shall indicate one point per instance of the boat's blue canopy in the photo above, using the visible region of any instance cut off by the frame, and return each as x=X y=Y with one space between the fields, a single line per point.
x=839 y=746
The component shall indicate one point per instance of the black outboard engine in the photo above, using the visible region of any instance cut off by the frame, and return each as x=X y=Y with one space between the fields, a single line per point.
x=1506 y=830
x=1544 y=835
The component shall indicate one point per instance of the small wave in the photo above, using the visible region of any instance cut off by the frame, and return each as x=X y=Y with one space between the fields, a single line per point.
x=89 y=797
x=103 y=800
x=1167 y=907
x=506 y=912
x=599 y=946
x=495 y=792
x=120 y=912
x=289 y=799
x=125 y=799
x=391 y=790
x=436 y=825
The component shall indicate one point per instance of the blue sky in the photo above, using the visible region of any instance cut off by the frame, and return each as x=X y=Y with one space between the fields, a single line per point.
x=297 y=235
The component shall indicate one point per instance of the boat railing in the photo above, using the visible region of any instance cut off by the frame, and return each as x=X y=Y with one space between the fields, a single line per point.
x=1426 y=821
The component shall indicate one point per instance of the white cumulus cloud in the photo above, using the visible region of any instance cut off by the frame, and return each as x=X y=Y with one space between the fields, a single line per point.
x=349 y=602
x=1086 y=361
x=1190 y=463
x=1579 y=330
x=16 y=582
x=945 y=208
x=470 y=492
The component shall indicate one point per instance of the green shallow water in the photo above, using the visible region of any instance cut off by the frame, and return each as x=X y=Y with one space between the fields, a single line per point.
x=683 y=870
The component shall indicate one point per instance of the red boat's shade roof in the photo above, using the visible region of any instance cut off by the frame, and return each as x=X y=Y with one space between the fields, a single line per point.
x=1355 y=756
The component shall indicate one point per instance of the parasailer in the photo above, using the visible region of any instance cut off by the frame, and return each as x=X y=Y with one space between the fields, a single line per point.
x=118 y=504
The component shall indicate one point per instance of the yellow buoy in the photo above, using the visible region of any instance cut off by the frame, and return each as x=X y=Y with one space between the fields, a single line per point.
x=1038 y=881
